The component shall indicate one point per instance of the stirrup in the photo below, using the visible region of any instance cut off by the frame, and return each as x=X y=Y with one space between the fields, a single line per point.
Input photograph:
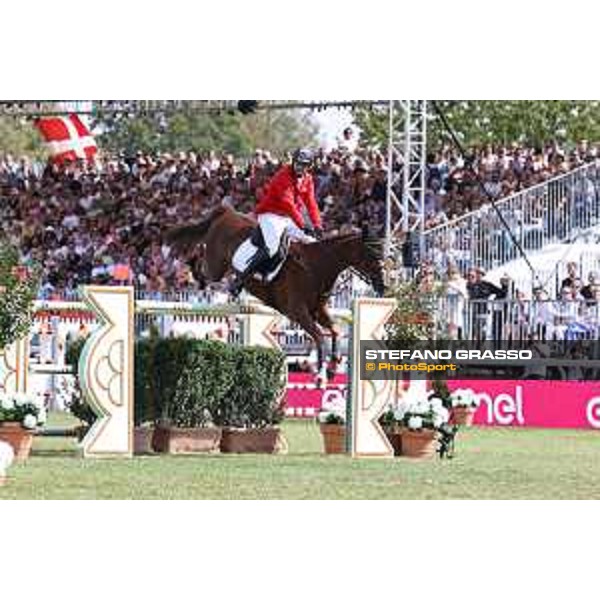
x=236 y=286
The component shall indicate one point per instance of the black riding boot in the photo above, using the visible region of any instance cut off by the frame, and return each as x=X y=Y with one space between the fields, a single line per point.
x=239 y=279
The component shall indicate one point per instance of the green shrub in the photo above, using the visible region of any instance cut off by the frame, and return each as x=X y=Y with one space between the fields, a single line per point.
x=192 y=383
x=192 y=377
x=18 y=288
x=145 y=400
x=254 y=398
x=202 y=382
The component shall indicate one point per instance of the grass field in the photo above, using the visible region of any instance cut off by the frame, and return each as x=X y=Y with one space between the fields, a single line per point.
x=489 y=463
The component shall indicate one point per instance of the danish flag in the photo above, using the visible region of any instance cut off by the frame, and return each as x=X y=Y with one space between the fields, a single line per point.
x=67 y=138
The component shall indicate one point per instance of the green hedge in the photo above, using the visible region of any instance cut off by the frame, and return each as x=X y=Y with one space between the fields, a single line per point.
x=191 y=383
x=198 y=382
x=259 y=380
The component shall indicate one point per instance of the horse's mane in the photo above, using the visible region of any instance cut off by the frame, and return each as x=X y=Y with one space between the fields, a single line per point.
x=373 y=244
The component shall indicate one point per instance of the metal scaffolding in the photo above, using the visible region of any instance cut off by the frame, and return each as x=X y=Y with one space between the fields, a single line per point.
x=405 y=201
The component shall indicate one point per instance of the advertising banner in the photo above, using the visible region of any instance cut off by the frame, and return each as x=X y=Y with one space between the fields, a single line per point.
x=517 y=403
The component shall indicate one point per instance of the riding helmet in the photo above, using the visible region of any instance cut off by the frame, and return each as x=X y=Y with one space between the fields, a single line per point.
x=304 y=157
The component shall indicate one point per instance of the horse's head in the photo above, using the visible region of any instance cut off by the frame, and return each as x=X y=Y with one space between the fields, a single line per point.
x=368 y=261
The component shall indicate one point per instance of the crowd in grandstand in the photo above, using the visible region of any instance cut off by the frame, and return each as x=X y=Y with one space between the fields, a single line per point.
x=454 y=185
x=473 y=307
x=104 y=222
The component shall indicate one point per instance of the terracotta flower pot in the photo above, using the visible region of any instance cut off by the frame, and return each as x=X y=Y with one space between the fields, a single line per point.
x=267 y=440
x=142 y=440
x=418 y=443
x=20 y=438
x=462 y=415
x=334 y=438
x=394 y=435
x=179 y=440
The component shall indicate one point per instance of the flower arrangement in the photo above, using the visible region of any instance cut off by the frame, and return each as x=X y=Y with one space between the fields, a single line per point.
x=425 y=413
x=332 y=418
x=22 y=409
x=464 y=399
x=333 y=412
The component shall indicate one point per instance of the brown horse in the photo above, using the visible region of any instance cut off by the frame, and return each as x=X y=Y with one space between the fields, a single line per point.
x=302 y=287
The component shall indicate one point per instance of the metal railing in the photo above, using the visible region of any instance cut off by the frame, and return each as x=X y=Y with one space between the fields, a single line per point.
x=514 y=319
x=181 y=315
x=554 y=211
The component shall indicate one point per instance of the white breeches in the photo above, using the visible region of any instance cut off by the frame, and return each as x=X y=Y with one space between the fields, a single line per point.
x=273 y=227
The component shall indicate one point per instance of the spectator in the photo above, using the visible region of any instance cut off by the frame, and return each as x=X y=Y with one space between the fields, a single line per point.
x=348 y=142
x=588 y=290
x=569 y=280
x=456 y=295
x=480 y=291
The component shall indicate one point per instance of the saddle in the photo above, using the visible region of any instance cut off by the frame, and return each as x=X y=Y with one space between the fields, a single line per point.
x=252 y=255
x=267 y=268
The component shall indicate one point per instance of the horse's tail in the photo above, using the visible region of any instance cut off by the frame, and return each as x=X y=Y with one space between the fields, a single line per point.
x=189 y=235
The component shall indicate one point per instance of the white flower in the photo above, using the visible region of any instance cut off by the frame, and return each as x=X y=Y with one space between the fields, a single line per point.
x=29 y=421
x=440 y=416
x=436 y=404
x=443 y=414
x=336 y=405
x=415 y=423
x=440 y=410
x=421 y=407
x=21 y=399
x=6 y=402
x=400 y=410
x=464 y=397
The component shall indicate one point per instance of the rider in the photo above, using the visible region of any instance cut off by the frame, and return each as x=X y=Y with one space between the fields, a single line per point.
x=279 y=210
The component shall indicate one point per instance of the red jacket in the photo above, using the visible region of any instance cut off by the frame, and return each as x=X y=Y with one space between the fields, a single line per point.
x=285 y=195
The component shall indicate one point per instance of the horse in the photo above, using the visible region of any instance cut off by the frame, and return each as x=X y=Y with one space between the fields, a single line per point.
x=304 y=283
